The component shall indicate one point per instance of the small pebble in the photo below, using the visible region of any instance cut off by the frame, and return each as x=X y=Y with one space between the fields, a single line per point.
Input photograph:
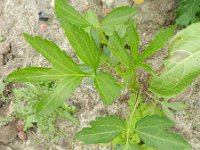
x=43 y=26
x=43 y=16
x=5 y=48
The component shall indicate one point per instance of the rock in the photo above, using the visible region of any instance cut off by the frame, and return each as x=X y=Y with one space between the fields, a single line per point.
x=8 y=134
x=3 y=147
x=5 y=48
x=43 y=16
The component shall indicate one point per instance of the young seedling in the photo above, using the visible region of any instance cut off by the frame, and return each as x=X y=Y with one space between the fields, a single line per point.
x=112 y=45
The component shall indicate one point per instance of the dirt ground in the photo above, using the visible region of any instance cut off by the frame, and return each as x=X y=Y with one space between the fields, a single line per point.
x=18 y=16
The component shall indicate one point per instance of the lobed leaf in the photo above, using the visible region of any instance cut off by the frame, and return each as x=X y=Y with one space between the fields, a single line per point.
x=102 y=130
x=55 y=99
x=67 y=13
x=158 y=42
x=83 y=44
x=152 y=131
x=107 y=87
x=182 y=67
x=116 y=17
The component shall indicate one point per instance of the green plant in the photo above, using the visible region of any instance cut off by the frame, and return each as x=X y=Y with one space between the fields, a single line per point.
x=112 y=45
x=188 y=12
x=25 y=102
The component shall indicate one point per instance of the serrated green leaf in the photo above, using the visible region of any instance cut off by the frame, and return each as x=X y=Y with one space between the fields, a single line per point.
x=61 y=93
x=133 y=41
x=119 y=51
x=57 y=57
x=153 y=132
x=158 y=42
x=83 y=44
x=127 y=147
x=67 y=13
x=178 y=106
x=35 y=74
x=107 y=88
x=102 y=130
x=116 y=17
x=67 y=115
x=182 y=67
x=187 y=12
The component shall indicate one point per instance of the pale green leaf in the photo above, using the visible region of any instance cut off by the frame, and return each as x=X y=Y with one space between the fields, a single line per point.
x=57 y=57
x=83 y=44
x=67 y=115
x=92 y=18
x=67 y=13
x=107 y=87
x=158 y=42
x=119 y=51
x=55 y=99
x=153 y=132
x=187 y=12
x=102 y=130
x=168 y=112
x=182 y=67
x=178 y=106
x=116 y=17
x=126 y=147
x=133 y=41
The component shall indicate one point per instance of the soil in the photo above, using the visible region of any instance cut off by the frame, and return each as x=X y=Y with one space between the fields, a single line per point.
x=20 y=16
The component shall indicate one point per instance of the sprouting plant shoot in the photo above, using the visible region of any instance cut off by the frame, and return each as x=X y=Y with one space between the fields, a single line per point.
x=112 y=45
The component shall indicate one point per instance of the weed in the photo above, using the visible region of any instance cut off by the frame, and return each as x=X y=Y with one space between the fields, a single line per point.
x=112 y=45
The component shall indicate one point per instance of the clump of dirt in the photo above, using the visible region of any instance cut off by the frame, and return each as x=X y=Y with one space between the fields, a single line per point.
x=22 y=16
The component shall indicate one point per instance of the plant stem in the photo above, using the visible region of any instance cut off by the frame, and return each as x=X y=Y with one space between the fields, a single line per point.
x=131 y=117
x=152 y=97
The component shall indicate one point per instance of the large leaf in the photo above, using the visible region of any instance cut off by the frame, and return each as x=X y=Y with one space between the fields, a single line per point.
x=55 y=99
x=119 y=51
x=34 y=74
x=158 y=42
x=117 y=17
x=152 y=131
x=67 y=13
x=83 y=44
x=107 y=87
x=133 y=41
x=182 y=67
x=187 y=12
x=64 y=70
x=63 y=65
x=57 y=57
x=102 y=130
